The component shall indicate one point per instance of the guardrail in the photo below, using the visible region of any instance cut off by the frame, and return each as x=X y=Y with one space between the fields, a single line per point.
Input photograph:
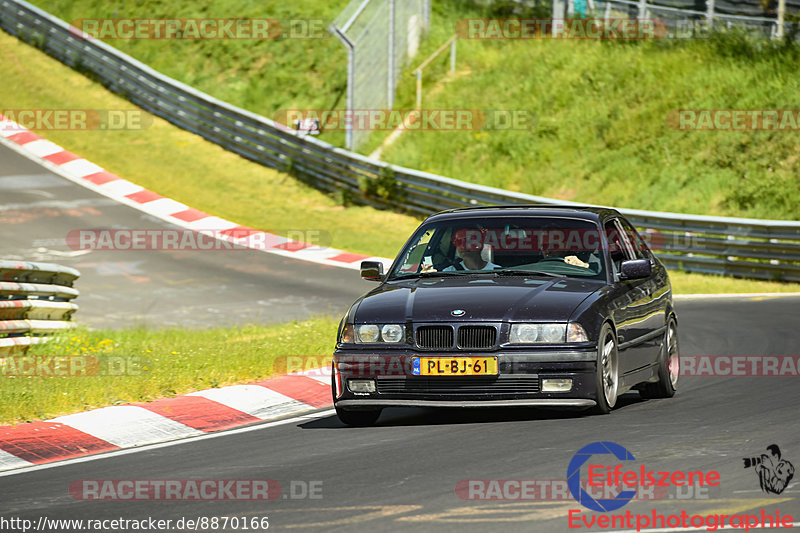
x=765 y=249
x=34 y=301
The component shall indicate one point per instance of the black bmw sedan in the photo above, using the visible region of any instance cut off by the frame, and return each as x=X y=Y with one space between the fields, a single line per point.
x=510 y=306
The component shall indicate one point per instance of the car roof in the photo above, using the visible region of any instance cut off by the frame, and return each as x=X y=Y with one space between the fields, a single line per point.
x=592 y=213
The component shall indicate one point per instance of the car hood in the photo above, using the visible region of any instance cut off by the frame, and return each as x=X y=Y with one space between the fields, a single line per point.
x=482 y=299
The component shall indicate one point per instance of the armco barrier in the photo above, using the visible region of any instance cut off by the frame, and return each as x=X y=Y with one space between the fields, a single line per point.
x=766 y=249
x=34 y=301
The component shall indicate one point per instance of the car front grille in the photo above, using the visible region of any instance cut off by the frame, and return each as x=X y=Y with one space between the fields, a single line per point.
x=435 y=337
x=476 y=337
x=462 y=386
x=470 y=337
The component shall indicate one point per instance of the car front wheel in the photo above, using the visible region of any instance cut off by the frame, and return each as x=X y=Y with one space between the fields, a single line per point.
x=668 y=366
x=607 y=379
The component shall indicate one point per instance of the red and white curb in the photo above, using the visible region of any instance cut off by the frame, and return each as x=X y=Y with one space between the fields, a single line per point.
x=126 y=426
x=85 y=173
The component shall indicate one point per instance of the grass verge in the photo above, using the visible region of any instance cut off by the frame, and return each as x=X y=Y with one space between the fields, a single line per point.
x=187 y=168
x=183 y=166
x=602 y=134
x=141 y=365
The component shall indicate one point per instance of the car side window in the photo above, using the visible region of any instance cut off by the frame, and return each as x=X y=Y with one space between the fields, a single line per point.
x=617 y=247
x=638 y=246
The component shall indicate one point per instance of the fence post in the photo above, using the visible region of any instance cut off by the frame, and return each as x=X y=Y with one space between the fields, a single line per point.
x=710 y=13
x=351 y=72
x=391 y=73
x=642 y=14
x=453 y=57
x=558 y=15
x=419 y=88
x=781 y=14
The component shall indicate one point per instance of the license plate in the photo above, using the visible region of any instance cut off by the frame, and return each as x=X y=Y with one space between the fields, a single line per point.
x=454 y=366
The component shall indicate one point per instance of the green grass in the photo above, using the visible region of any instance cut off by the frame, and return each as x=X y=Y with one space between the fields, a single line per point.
x=183 y=166
x=601 y=135
x=692 y=283
x=158 y=363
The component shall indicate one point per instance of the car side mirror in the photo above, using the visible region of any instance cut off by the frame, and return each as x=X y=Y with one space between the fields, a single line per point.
x=636 y=269
x=372 y=270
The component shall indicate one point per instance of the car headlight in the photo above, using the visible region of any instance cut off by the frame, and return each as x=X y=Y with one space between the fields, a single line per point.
x=546 y=333
x=392 y=333
x=367 y=333
x=372 y=333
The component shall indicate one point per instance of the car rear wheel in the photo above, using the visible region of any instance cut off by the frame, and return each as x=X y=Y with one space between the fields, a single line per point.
x=607 y=370
x=668 y=366
x=358 y=418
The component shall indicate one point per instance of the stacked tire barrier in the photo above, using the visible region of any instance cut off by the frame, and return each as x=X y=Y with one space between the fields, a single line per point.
x=741 y=247
x=35 y=301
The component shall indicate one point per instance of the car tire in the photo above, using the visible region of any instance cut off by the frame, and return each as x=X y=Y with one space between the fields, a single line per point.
x=668 y=366
x=358 y=418
x=607 y=375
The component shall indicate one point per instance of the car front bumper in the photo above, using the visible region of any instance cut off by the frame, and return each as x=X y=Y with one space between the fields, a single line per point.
x=518 y=383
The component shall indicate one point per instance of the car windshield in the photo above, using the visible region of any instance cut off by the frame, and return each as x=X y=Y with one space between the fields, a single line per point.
x=530 y=246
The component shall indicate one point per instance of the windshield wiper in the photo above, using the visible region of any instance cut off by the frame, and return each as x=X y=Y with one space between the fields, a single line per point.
x=431 y=274
x=517 y=272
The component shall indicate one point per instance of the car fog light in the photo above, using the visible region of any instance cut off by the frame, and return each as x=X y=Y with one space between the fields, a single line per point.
x=556 y=385
x=361 y=385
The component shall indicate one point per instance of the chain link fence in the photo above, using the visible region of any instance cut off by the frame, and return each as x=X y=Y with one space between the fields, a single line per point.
x=692 y=18
x=380 y=37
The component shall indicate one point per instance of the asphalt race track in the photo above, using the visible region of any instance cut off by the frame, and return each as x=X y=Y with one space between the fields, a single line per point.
x=402 y=474
x=188 y=288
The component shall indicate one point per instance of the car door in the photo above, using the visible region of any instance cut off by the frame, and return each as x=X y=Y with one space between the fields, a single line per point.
x=631 y=302
x=654 y=311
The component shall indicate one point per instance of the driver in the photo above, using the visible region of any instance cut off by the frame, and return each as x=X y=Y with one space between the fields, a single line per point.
x=469 y=245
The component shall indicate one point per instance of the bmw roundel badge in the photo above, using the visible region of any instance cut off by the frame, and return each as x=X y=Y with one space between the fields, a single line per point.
x=458 y=312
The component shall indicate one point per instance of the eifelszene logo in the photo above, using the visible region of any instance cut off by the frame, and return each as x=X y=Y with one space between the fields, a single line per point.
x=617 y=477
x=574 y=476
x=774 y=473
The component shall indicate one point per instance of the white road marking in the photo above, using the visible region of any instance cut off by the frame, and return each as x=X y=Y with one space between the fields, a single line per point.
x=254 y=400
x=127 y=425
x=736 y=295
